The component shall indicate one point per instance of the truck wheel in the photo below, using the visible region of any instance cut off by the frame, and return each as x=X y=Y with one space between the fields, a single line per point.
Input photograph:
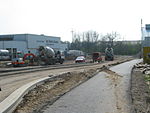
x=61 y=61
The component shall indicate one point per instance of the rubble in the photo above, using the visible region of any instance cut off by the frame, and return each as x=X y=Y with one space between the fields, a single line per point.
x=144 y=68
x=140 y=88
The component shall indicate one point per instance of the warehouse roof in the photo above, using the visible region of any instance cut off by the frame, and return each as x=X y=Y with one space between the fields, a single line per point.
x=12 y=35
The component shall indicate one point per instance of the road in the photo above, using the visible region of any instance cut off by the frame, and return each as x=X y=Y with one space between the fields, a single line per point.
x=13 y=82
x=107 y=92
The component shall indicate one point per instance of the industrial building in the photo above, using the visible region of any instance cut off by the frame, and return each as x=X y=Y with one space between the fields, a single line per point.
x=29 y=43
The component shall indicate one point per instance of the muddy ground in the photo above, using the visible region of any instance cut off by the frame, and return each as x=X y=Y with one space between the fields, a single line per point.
x=140 y=92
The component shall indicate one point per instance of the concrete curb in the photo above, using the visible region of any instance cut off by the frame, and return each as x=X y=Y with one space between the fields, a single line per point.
x=11 y=102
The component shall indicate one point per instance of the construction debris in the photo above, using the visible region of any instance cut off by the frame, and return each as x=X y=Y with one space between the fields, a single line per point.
x=144 y=68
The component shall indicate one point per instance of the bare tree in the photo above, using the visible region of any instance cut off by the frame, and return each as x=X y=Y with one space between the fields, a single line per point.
x=111 y=37
x=95 y=36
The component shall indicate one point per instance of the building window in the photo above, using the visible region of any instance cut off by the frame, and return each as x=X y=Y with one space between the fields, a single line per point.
x=6 y=39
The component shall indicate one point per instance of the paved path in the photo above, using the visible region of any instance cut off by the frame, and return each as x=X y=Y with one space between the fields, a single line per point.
x=98 y=95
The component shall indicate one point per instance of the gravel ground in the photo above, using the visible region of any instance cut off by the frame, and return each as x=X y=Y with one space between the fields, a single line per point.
x=140 y=92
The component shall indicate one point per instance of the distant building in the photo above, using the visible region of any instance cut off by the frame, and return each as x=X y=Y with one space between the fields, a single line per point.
x=29 y=42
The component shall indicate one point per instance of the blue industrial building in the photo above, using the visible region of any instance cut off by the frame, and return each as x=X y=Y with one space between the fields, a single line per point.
x=30 y=42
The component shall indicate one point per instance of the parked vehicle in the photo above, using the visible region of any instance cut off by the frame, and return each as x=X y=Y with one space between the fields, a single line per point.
x=109 y=54
x=80 y=59
x=45 y=56
x=4 y=54
x=97 y=57
x=18 y=62
x=48 y=56
x=72 y=54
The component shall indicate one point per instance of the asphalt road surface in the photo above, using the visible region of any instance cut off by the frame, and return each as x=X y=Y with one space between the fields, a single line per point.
x=104 y=93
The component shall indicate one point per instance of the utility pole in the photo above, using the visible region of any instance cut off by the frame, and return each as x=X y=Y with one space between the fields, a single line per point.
x=72 y=34
x=141 y=30
x=142 y=38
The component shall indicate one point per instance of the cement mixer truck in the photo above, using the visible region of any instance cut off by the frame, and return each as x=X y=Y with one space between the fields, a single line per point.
x=48 y=56
x=109 y=54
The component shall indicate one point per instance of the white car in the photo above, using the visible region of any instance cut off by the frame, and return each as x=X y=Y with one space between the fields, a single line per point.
x=80 y=59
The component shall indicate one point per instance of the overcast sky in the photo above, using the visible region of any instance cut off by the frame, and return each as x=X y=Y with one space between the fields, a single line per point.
x=59 y=17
